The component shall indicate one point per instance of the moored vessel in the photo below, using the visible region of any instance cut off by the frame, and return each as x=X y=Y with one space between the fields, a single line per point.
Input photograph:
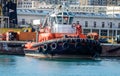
x=58 y=36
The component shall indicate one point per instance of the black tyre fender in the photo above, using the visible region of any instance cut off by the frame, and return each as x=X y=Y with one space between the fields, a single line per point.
x=45 y=47
x=39 y=49
x=65 y=45
x=53 y=46
x=78 y=45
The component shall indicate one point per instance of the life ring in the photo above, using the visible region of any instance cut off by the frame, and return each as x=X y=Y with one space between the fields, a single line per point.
x=65 y=45
x=53 y=46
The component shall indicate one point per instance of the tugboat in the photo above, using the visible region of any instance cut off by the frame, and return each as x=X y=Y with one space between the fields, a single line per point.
x=58 y=36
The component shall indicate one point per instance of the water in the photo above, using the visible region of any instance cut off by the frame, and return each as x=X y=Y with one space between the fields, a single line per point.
x=28 y=66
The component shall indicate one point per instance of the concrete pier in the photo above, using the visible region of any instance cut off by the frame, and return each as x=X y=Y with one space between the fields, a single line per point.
x=12 y=47
x=110 y=50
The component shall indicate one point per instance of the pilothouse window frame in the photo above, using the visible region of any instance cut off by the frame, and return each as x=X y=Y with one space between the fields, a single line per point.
x=66 y=18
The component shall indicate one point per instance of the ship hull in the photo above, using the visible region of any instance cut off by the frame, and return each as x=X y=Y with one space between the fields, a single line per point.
x=74 y=47
x=40 y=55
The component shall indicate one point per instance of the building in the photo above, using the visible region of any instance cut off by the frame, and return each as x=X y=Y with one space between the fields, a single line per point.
x=56 y=2
x=28 y=3
x=26 y=16
x=37 y=3
x=85 y=2
x=95 y=9
x=100 y=2
x=103 y=24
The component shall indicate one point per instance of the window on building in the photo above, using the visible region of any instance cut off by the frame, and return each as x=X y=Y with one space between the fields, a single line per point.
x=86 y=23
x=103 y=32
x=23 y=21
x=77 y=22
x=118 y=25
x=94 y=23
x=103 y=24
x=110 y=24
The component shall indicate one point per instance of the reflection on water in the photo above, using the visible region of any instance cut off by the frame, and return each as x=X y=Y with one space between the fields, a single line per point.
x=28 y=66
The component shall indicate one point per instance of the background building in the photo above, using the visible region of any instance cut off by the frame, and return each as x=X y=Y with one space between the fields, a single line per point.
x=100 y=2
x=103 y=24
x=28 y=3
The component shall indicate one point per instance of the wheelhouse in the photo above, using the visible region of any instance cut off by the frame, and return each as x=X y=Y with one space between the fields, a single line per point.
x=62 y=22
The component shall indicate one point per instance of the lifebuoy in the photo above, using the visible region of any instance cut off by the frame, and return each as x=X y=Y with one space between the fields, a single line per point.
x=53 y=46
x=65 y=45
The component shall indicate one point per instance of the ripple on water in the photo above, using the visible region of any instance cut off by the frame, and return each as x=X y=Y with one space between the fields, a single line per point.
x=28 y=66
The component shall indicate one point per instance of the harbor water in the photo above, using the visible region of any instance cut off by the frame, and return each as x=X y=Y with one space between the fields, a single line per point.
x=29 y=66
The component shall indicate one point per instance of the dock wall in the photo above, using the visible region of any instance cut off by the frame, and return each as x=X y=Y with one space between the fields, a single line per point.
x=110 y=50
x=11 y=48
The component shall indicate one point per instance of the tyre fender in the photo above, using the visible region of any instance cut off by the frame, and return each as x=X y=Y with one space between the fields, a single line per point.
x=77 y=45
x=53 y=46
x=65 y=45
x=45 y=47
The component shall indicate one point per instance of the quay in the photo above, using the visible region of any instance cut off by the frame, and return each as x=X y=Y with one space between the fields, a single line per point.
x=16 y=48
x=12 y=47
x=110 y=50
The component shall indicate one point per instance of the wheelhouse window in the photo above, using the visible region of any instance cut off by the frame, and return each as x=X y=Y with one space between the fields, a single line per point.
x=59 y=19
x=65 y=20
x=53 y=20
x=64 y=13
x=70 y=20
